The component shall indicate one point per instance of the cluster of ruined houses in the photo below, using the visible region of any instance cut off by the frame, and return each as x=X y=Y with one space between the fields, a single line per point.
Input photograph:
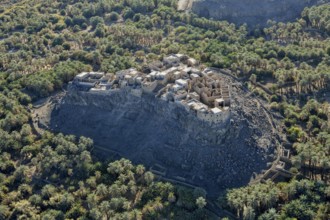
x=176 y=79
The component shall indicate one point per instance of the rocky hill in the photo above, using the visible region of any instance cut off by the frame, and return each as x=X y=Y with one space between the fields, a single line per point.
x=163 y=136
x=252 y=12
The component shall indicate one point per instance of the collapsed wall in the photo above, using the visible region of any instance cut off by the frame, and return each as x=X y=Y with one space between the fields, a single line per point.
x=252 y=12
x=165 y=136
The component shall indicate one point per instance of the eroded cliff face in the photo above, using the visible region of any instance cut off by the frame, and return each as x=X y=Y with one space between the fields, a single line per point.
x=252 y=12
x=164 y=134
x=137 y=117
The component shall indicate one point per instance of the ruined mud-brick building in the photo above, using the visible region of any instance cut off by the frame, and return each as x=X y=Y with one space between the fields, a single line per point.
x=177 y=79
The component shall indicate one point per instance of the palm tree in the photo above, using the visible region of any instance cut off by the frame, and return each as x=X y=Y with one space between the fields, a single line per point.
x=248 y=213
x=4 y=212
x=104 y=208
x=271 y=214
x=171 y=197
x=291 y=189
x=200 y=202
x=148 y=177
x=102 y=191
x=92 y=200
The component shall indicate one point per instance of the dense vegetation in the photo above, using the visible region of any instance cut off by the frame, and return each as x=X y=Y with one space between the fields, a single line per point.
x=43 y=44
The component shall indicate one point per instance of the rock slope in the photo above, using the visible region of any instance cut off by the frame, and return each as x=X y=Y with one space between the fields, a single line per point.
x=252 y=12
x=162 y=134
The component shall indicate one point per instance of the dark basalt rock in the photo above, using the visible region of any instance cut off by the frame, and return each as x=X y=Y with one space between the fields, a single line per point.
x=165 y=136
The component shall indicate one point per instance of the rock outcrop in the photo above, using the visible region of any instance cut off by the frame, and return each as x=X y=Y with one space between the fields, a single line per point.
x=252 y=12
x=165 y=136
